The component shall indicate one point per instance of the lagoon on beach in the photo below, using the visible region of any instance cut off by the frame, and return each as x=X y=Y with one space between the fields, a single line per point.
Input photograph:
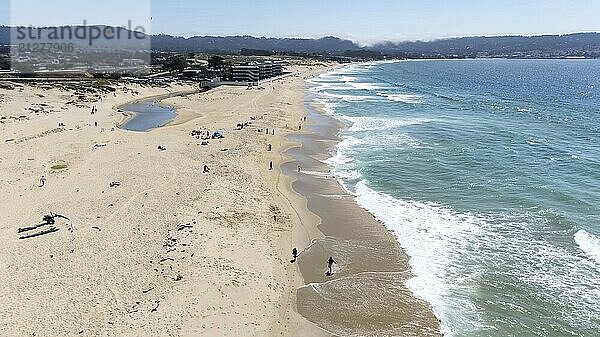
x=147 y=114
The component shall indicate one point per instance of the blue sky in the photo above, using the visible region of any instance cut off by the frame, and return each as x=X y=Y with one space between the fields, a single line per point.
x=360 y=20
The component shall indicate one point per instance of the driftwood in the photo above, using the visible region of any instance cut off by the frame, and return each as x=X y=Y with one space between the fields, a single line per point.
x=48 y=220
x=30 y=228
x=44 y=232
x=186 y=226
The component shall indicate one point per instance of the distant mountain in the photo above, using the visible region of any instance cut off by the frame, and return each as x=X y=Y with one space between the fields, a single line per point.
x=4 y=35
x=236 y=43
x=544 y=46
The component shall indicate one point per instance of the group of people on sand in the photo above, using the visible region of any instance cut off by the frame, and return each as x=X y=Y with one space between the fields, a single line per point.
x=330 y=262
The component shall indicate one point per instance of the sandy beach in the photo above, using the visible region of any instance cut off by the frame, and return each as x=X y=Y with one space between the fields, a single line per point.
x=154 y=245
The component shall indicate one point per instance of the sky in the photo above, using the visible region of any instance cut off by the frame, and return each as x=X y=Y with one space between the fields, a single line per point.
x=363 y=21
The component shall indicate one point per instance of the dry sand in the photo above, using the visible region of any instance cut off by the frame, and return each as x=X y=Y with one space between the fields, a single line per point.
x=171 y=251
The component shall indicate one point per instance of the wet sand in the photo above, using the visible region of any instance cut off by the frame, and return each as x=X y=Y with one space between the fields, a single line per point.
x=366 y=295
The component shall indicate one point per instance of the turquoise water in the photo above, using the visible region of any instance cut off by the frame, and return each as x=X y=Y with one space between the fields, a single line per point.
x=488 y=173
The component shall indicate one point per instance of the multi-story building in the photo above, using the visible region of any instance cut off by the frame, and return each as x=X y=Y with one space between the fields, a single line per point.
x=265 y=70
x=249 y=73
x=255 y=71
x=277 y=68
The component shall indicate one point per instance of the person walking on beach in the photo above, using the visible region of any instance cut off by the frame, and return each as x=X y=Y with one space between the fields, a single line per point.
x=42 y=181
x=330 y=263
x=271 y=166
x=294 y=255
x=299 y=169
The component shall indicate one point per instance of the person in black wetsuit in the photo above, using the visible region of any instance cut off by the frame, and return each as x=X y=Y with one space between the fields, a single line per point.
x=330 y=263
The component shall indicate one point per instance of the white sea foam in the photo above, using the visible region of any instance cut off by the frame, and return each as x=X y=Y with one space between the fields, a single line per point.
x=351 y=98
x=429 y=233
x=403 y=98
x=346 y=86
x=589 y=244
x=327 y=106
x=364 y=123
x=318 y=174
x=449 y=251
x=347 y=79
x=397 y=140
x=367 y=86
x=343 y=166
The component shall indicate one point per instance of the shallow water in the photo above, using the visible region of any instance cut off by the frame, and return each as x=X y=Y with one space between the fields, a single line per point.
x=148 y=115
x=488 y=173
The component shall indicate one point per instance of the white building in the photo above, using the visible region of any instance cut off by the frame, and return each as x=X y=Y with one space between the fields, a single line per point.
x=254 y=71
x=249 y=73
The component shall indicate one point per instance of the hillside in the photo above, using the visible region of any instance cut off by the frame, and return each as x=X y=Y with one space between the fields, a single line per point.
x=545 y=46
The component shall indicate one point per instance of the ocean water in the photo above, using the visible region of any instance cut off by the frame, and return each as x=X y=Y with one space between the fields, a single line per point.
x=488 y=174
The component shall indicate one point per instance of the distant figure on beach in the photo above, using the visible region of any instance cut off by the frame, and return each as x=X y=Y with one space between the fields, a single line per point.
x=299 y=169
x=269 y=147
x=273 y=132
x=206 y=169
x=42 y=181
x=330 y=263
x=271 y=166
x=96 y=124
x=267 y=131
x=294 y=255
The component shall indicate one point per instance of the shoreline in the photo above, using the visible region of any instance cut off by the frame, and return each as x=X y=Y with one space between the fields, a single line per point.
x=319 y=187
x=182 y=252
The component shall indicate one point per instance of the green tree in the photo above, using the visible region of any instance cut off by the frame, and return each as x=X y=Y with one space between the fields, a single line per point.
x=4 y=62
x=216 y=62
x=175 y=63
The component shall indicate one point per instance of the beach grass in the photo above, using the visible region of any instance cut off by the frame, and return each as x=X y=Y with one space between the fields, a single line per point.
x=59 y=167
